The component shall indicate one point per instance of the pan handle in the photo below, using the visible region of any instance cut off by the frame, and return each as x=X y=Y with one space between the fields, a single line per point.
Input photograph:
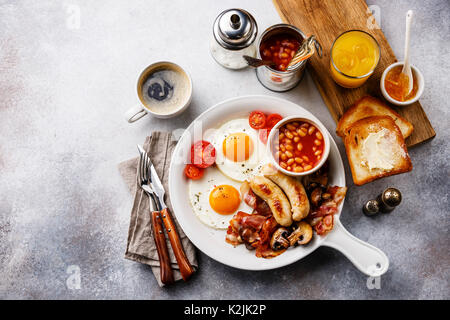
x=367 y=258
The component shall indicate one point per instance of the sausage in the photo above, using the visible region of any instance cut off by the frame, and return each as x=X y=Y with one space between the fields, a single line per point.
x=258 y=205
x=274 y=197
x=293 y=189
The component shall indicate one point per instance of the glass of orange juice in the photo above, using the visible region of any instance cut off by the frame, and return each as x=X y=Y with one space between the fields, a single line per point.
x=354 y=57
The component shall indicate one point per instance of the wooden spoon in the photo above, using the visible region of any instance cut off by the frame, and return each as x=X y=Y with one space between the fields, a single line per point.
x=406 y=67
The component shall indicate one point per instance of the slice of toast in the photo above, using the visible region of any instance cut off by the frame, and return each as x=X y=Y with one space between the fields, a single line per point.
x=369 y=106
x=375 y=149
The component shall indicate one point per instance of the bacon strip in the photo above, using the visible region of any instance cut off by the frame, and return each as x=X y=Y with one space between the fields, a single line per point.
x=245 y=227
x=337 y=193
x=322 y=217
x=253 y=230
x=258 y=205
x=250 y=199
x=263 y=249
x=248 y=195
x=232 y=237
x=329 y=206
x=254 y=221
x=325 y=225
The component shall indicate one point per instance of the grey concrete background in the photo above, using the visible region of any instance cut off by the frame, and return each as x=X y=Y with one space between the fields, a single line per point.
x=64 y=88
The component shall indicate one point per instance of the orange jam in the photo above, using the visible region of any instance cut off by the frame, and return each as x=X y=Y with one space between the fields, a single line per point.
x=396 y=84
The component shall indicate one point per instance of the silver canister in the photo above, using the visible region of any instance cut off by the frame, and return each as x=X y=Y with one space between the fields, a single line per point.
x=280 y=80
x=234 y=35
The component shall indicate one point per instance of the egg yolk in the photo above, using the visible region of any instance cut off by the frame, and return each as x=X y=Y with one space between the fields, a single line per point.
x=224 y=199
x=237 y=147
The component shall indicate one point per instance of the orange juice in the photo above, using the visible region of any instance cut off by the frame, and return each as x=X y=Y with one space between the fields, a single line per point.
x=354 y=56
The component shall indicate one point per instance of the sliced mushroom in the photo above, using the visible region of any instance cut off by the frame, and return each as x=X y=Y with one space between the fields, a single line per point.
x=301 y=235
x=279 y=239
x=316 y=196
x=320 y=177
x=311 y=186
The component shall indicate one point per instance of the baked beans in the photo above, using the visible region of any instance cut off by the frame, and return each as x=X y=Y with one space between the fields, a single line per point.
x=300 y=146
x=280 y=49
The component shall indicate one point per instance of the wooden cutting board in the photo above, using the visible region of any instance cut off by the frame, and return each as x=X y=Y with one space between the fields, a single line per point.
x=327 y=19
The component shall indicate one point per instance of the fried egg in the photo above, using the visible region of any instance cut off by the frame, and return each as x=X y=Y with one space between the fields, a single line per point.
x=239 y=151
x=215 y=198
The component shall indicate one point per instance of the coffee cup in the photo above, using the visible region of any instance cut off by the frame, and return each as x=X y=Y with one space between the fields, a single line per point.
x=164 y=90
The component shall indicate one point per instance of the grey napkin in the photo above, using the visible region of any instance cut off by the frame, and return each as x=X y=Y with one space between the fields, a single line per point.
x=141 y=245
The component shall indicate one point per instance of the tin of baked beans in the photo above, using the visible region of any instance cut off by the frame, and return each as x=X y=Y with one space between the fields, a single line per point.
x=271 y=78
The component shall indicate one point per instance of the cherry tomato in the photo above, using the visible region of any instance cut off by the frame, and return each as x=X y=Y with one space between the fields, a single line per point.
x=257 y=120
x=203 y=154
x=272 y=120
x=264 y=135
x=193 y=172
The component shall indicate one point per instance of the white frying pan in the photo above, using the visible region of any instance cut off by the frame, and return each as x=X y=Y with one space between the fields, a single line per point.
x=368 y=259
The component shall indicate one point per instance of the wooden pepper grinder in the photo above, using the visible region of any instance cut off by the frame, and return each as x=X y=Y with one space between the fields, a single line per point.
x=385 y=202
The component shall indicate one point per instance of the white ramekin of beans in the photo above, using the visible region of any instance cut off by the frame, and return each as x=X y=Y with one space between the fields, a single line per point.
x=298 y=146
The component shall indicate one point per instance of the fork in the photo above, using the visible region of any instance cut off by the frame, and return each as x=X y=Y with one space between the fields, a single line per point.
x=306 y=50
x=158 y=233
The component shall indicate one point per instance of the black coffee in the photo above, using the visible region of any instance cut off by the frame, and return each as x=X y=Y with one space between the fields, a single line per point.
x=165 y=90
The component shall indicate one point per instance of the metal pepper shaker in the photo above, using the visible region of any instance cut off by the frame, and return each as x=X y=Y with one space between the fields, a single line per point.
x=385 y=202
x=371 y=208
x=389 y=199
x=234 y=35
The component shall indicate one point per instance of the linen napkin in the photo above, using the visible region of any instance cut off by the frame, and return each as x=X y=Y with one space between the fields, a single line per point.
x=141 y=244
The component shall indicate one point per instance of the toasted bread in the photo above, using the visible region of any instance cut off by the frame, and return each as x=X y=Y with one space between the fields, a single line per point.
x=369 y=106
x=375 y=149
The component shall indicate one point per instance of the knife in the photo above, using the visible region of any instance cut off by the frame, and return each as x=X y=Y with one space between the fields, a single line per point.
x=185 y=266
x=166 y=274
